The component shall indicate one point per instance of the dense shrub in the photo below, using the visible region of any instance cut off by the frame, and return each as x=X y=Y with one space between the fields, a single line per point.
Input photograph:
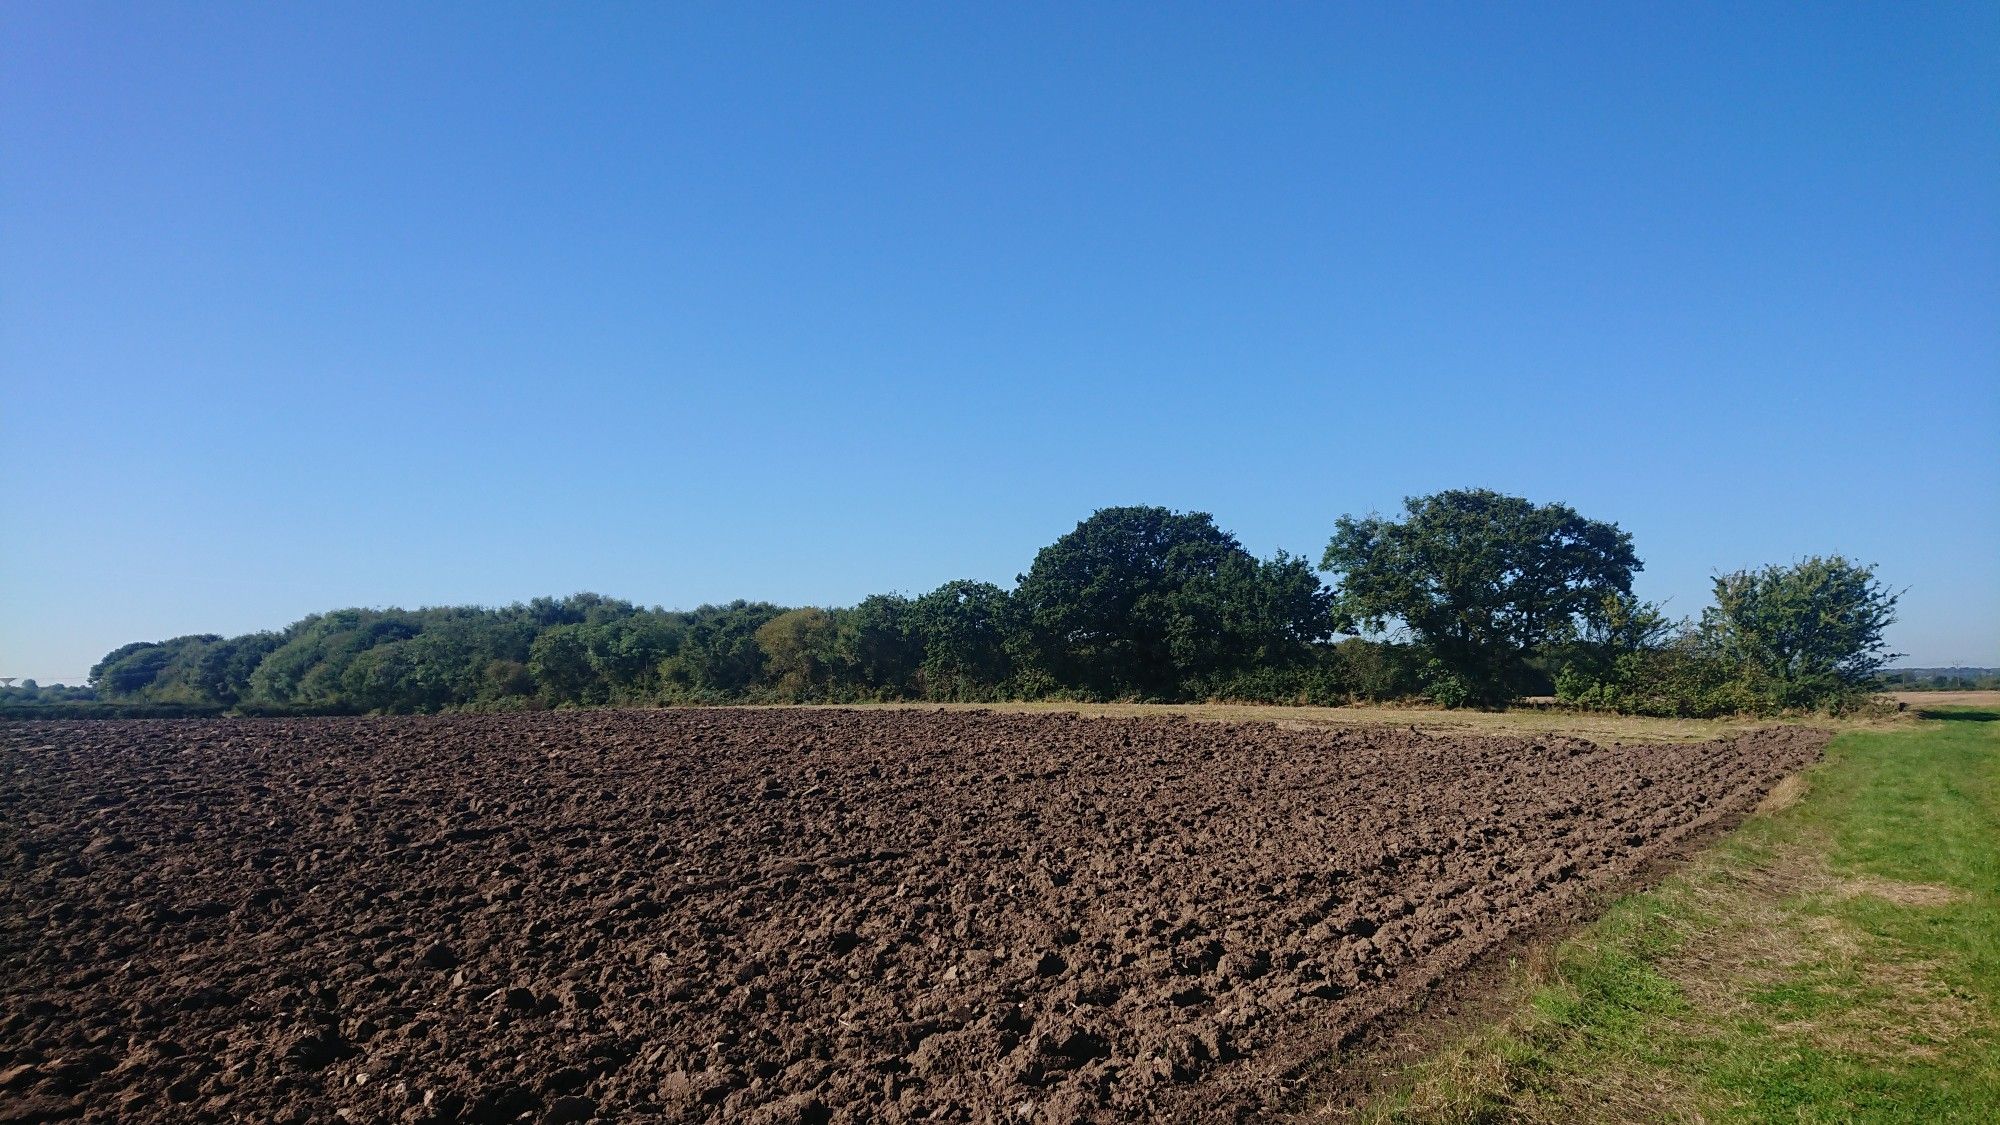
x=1676 y=680
x=1805 y=637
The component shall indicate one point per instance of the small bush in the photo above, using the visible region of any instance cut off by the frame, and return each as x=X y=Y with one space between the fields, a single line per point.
x=1448 y=690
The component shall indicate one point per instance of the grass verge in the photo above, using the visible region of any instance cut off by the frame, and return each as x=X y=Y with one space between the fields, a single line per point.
x=1836 y=959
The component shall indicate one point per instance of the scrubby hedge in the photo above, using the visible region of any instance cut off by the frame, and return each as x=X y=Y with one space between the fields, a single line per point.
x=90 y=710
x=1471 y=598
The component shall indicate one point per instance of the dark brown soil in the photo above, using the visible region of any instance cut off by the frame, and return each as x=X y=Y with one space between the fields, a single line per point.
x=771 y=916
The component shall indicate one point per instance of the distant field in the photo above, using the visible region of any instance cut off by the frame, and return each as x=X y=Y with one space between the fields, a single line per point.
x=1923 y=700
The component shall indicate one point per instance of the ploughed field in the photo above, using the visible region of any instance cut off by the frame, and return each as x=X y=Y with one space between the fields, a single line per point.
x=771 y=915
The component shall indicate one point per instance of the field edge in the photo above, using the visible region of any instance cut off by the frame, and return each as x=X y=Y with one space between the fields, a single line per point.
x=1834 y=956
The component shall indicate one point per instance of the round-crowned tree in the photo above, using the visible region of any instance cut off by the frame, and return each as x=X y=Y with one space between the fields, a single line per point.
x=1479 y=579
x=1807 y=635
x=1146 y=601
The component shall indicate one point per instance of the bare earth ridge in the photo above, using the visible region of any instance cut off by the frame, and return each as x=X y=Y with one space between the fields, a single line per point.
x=771 y=916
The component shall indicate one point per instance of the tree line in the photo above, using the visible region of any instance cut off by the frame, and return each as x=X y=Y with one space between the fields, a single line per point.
x=1468 y=597
x=1941 y=679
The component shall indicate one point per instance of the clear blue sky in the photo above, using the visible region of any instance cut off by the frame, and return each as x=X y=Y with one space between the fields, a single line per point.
x=304 y=306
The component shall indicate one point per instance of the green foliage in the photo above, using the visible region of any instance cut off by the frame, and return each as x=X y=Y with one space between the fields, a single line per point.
x=1799 y=638
x=168 y=671
x=1806 y=636
x=717 y=658
x=1500 y=596
x=559 y=661
x=1939 y=679
x=1324 y=681
x=962 y=631
x=200 y=671
x=1148 y=602
x=309 y=668
x=27 y=695
x=1636 y=660
x=227 y=665
x=626 y=652
x=132 y=669
x=54 y=708
x=1248 y=614
x=1377 y=671
x=507 y=679
x=1448 y=688
x=1480 y=580
x=882 y=647
x=1678 y=677
x=801 y=653
x=116 y=657
x=1099 y=604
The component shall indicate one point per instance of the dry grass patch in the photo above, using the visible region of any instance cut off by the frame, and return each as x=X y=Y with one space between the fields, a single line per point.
x=1604 y=729
x=1928 y=700
x=1900 y=893
x=1768 y=945
x=1789 y=791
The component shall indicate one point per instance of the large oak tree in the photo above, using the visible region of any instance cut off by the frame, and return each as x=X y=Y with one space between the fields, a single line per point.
x=1480 y=579
x=1151 y=602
